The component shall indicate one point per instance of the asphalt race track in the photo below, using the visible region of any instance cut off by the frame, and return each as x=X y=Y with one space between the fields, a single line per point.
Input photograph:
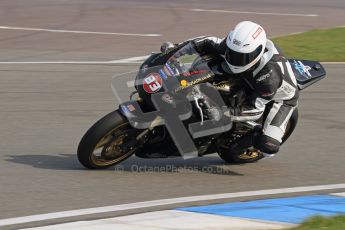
x=46 y=108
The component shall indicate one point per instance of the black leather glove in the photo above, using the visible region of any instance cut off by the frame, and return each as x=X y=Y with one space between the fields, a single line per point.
x=166 y=47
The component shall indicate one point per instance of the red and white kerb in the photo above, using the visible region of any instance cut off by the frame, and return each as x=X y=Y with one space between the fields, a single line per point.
x=152 y=83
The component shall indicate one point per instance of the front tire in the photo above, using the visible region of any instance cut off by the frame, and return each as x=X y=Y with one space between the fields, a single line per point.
x=108 y=142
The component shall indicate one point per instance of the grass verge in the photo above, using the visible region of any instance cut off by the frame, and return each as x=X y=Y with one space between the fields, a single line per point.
x=319 y=44
x=323 y=223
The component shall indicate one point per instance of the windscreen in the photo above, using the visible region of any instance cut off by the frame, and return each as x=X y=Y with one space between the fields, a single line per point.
x=184 y=68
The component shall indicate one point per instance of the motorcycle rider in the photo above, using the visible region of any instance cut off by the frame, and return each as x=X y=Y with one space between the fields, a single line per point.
x=248 y=54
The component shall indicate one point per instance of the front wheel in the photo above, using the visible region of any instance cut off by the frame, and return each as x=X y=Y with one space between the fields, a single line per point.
x=108 y=142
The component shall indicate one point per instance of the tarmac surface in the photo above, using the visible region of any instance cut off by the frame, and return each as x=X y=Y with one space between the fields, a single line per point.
x=45 y=109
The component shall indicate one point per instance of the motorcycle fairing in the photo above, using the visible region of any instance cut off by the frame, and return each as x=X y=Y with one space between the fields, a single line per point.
x=307 y=72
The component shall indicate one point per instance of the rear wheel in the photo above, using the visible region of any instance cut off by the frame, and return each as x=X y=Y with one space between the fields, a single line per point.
x=249 y=156
x=252 y=154
x=108 y=142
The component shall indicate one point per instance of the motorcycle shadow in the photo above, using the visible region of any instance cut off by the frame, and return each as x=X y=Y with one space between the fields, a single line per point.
x=52 y=162
x=207 y=164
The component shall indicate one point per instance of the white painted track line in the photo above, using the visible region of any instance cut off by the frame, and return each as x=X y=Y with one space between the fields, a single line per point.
x=257 y=13
x=65 y=62
x=132 y=60
x=168 y=220
x=138 y=59
x=76 y=31
x=283 y=14
x=333 y=63
x=155 y=203
x=339 y=194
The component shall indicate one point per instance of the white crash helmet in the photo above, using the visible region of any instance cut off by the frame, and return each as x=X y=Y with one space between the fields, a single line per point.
x=245 y=46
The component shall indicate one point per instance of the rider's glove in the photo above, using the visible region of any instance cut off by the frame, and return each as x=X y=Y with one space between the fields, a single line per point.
x=166 y=47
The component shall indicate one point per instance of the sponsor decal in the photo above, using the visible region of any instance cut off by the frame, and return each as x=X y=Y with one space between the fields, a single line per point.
x=130 y=107
x=287 y=89
x=263 y=77
x=188 y=74
x=185 y=84
x=237 y=42
x=301 y=68
x=163 y=74
x=257 y=33
x=170 y=69
x=124 y=109
x=166 y=71
x=152 y=83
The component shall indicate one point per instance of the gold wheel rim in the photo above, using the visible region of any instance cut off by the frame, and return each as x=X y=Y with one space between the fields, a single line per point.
x=115 y=142
x=249 y=155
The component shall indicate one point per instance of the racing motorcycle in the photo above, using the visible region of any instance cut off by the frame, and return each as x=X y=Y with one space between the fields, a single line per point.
x=179 y=74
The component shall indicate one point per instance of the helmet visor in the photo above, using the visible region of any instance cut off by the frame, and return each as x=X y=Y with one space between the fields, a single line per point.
x=241 y=59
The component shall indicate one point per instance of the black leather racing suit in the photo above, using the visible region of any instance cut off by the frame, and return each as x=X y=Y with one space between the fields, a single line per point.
x=271 y=80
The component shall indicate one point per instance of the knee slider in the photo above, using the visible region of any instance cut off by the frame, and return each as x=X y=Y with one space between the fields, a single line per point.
x=267 y=144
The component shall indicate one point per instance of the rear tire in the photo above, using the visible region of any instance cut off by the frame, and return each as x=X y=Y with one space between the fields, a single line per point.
x=256 y=156
x=240 y=159
x=104 y=135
